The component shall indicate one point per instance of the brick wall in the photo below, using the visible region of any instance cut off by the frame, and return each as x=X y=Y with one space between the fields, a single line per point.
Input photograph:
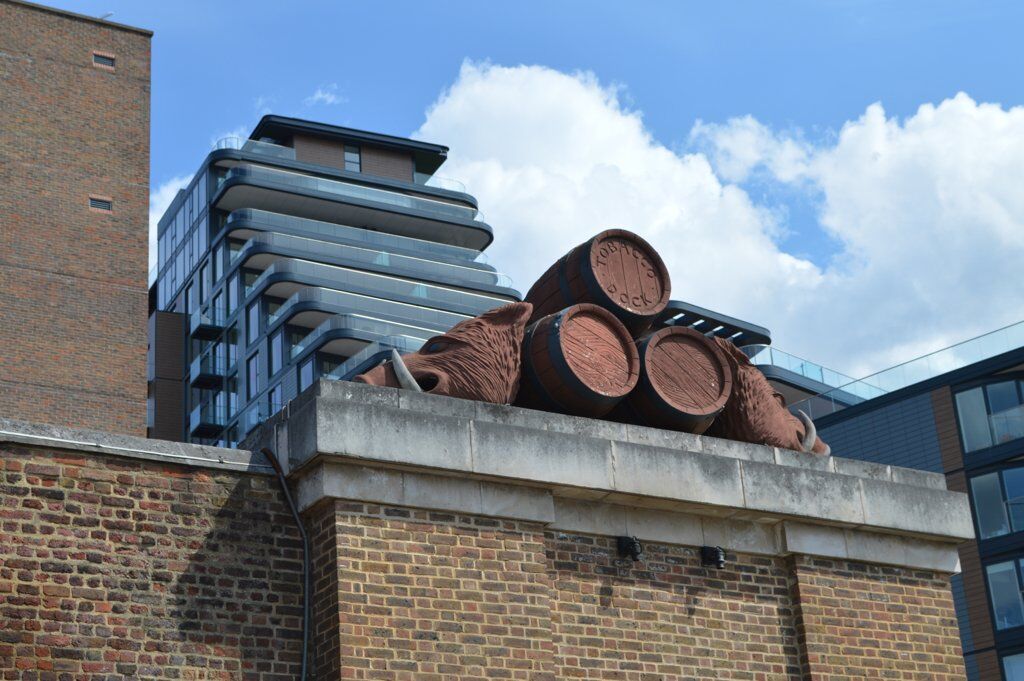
x=869 y=621
x=118 y=569
x=405 y=594
x=73 y=313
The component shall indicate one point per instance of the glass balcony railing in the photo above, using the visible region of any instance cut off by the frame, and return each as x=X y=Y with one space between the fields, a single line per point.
x=916 y=370
x=345 y=370
x=362 y=324
x=208 y=322
x=341 y=302
x=257 y=413
x=445 y=183
x=380 y=240
x=316 y=250
x=379 y=286
x=356 y=191
x=255 y=147
x=766 y=355
x=208 y=416
x=207 y=366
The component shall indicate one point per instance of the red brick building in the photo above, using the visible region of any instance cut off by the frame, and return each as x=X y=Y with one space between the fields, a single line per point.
x=74 y=164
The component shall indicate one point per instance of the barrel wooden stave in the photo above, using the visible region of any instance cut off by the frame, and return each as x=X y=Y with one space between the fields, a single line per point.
x=684 y=384
x=615 y=269
x=580 y=360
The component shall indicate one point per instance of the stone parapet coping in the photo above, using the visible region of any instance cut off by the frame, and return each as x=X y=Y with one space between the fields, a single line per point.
x=351 y=441
x=129 y=446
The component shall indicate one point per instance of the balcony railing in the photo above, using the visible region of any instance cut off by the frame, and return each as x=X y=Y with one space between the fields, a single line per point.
x=208 y=322
x=349 y=190
x=382 y=240
x=766 y=355
x=256 y=147
x=346 y=370
x=363 y=324
x=920 y=369
x=354 y=303
x=315 y=250
x=208 y=419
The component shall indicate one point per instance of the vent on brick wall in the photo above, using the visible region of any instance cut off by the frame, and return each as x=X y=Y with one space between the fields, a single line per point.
x=105 y=60
x=101 y=204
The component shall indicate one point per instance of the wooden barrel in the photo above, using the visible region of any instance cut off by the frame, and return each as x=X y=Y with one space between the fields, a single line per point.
x=685 y=382
x=616 y=270
x=579 y=361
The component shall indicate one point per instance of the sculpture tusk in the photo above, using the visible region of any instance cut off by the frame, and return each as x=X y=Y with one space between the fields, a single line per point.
x=810 y=432
x=405 y=378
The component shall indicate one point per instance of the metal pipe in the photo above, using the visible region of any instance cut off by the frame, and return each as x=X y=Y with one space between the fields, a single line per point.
x=306 y=567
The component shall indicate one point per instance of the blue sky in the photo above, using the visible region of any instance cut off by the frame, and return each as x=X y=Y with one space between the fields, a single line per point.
x=772 y=85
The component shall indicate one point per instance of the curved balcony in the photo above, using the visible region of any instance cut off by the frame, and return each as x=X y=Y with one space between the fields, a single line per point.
x=265 y=248
x=346 y=334
x=312 y=306
x=372 y=355
x=307 y=196
x=286 y=276
x=245 y=222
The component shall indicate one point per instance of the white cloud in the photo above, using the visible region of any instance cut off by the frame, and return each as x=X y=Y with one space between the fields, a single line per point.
x=927 y=211
x=325 y=94
x=159 y=199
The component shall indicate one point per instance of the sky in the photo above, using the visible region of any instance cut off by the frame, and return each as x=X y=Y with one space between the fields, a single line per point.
x=846 y=173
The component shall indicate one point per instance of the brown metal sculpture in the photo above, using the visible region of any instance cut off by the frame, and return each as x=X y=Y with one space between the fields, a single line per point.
x=757 y=413
x=579 y=355
x=478 y=359
x=685 y=382
x=579 y=361
x=617 y=270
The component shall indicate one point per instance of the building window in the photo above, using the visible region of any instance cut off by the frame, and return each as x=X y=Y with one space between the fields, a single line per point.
x=999 y=502
x=232 y=343
x=204 y=281
x=104 y=60
x=190 y=300
x=103 y=204
x=232 y=293
x=353 y=162
x=276 y=361
x=274 y=400
x=1013 y=667
x=1005 y=591
x=991 y=414
x=253 y=317
x=252 y=376
x=306 y=374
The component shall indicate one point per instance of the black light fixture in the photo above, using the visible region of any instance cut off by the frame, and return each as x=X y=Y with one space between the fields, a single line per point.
x=712 y=556
x=630 y=546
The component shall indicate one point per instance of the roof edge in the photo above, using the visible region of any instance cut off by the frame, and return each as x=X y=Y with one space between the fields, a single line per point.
x=327 y=128
x=82 y=17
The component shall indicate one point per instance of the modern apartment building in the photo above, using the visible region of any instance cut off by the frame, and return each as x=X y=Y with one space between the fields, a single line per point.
x=958 y=411
x=305 y=251
x=74 y=165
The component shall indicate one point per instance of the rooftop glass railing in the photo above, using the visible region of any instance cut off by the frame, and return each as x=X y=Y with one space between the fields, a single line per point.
x=346 y=369
x=341 y=302
x=363 y=324
x=379 y=285
x=766 y=355
x=356 y=191
x=916 y=370
x=255 y=147
x=315 y=228
x=317 y=250
x=445 y=183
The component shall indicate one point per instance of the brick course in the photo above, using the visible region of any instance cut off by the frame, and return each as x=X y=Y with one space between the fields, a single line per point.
x=73 y=313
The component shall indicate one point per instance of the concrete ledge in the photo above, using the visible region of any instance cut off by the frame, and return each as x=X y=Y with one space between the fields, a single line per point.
x=590 y=460
x=80 y=440
x=869 y=547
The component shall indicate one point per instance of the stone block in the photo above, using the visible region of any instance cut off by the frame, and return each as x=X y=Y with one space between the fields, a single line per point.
x=686 y=476
x=551 y=457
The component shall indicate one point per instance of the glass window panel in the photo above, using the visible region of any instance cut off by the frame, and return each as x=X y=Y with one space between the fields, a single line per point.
x=201 y=185
x=254 y=322
x=1002 y=396
x=218 y=263
x=988 y=506
x=253 y=376
x=232 y=293
x=973 y=417
x=232 y=339
x=274 y=399
x=306 y=374
x=1004 y=590
x=1013 y=667
x=1013 y=481
x=275 y=361
x=204 y=281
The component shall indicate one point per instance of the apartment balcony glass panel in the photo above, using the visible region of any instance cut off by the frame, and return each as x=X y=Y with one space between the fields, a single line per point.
x=372 y=355
x=331 y=301
x=208 y=369
x=208 y=420
x=256 y=147
x=366 y=327
x=208 y=323
x=310 y=197
x=267 y=221
x=271 y=243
